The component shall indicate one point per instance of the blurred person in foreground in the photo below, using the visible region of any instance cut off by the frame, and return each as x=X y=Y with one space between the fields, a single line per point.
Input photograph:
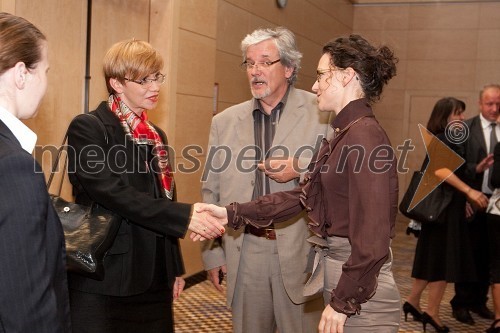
x=34 y=291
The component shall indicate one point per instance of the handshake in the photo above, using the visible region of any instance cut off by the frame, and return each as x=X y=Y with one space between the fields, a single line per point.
x=207 y=221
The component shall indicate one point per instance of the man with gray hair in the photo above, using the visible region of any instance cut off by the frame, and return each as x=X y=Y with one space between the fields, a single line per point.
x=270 y=140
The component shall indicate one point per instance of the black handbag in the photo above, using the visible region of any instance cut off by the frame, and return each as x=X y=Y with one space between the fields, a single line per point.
x=430 y=208
x=89 y=232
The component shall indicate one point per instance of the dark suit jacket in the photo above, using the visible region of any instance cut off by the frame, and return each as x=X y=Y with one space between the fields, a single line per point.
x=475 y=151
x=33 y=287
x=495 y=176
x=115 y=175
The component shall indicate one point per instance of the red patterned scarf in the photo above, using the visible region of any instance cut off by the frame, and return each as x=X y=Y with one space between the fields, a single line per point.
x=140 y=131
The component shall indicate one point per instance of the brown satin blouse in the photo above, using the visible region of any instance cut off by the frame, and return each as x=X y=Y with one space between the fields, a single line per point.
x=351 y=190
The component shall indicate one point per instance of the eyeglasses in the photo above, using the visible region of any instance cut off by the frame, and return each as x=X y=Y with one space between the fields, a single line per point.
x=258 y=65
x=321 y=72
x=147 y=82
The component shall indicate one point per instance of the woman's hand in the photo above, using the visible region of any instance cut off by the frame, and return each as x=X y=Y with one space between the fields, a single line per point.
x=212 y=221
x=216 y=276
x=178 y=287
x=469 y=210
x=477 y=198
x=331 y=321
x=205 y=224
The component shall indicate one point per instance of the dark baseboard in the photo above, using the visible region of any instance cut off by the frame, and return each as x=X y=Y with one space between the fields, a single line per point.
x=195 y=279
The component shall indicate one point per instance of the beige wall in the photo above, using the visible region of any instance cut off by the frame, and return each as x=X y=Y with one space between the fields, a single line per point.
x=445 y=49
x=194 y=63
x=8 y=6
x=66 y=57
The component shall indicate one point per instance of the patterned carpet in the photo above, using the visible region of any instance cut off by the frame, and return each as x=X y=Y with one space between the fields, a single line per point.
x=202 y=309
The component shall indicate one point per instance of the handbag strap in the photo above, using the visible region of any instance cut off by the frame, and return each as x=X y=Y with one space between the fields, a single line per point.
x=64 y=147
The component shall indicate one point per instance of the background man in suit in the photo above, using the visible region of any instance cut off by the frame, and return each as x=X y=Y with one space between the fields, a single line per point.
x=265 y=268
x=483 y=136
x=33 y=292
x=494 y=235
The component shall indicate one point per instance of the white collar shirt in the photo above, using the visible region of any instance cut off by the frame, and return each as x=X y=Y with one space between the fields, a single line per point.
x=26 y=137
x=486 y=127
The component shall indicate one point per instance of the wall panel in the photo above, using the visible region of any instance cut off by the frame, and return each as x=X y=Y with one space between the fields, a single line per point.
x=64 y=96
x=113 y=21
x=445 y=49
x=8 y=6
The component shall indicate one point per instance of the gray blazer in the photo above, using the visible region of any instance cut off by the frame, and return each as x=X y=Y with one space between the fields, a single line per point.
x=229 y=180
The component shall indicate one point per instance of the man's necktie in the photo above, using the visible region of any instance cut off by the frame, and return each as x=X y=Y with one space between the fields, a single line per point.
x=493 y=143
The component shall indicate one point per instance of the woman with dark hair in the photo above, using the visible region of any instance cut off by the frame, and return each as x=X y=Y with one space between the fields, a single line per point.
x=438 y=258
x=350 y=193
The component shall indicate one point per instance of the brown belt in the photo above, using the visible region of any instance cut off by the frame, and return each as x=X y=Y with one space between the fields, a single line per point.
x=267 y=233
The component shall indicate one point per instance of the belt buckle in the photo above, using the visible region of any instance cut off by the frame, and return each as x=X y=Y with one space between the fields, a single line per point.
x=268 y=232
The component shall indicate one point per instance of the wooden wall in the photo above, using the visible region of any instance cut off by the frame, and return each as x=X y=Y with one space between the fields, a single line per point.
x=199 y=40
x=445 y=49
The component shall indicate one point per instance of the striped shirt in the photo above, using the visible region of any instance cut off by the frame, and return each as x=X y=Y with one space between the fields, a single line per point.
x=264 y=130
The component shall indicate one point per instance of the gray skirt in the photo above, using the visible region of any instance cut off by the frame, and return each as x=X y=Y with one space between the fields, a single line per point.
x=381 y=313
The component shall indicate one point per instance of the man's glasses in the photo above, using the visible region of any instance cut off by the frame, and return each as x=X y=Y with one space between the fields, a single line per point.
x=147 y=82
x=258 y=65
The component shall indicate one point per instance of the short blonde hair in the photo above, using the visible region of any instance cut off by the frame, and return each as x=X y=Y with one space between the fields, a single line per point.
x=132 y=59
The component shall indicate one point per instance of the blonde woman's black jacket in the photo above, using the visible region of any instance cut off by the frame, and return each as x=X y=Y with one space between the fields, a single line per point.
x=118 y=176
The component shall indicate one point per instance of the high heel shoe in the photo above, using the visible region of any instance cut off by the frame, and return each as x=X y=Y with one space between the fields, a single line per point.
x=426 y=319
x=492 y=328
x=417 y=315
